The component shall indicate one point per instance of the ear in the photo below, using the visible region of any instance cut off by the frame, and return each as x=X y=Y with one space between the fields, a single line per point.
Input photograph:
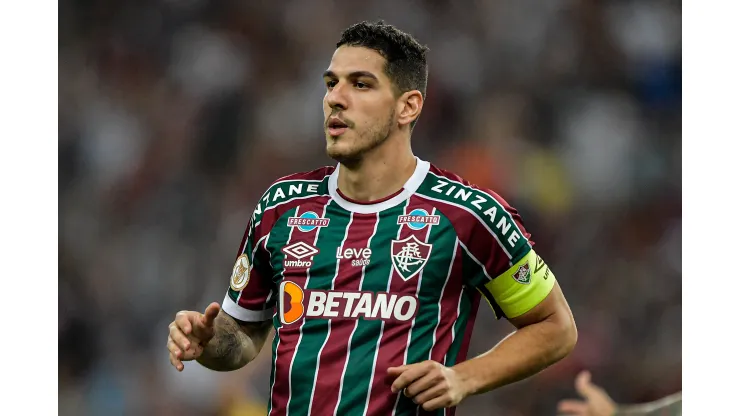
x=409 y=107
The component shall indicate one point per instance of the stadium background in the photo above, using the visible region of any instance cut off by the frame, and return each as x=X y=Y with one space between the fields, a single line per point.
x=174 y=116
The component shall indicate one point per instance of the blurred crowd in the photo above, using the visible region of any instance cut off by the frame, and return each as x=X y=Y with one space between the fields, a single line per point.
x=175 y=115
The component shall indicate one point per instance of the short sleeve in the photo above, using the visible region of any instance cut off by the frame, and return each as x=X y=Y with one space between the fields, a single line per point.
x=252 y=294
x=500 y=261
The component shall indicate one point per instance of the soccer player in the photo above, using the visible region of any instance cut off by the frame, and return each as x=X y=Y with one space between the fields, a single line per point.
x=371 y=272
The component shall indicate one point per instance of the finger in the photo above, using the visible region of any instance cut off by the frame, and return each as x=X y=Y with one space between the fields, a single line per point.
x=423 y=383
x=180 y=339
x=585 y=387
x=182 y=320
x=437 y=403
x=210 y=314
x=573 y=407
x=176 y=363
x=173 y=348
x=410 y=375
x=432 y=392
x=396 y=371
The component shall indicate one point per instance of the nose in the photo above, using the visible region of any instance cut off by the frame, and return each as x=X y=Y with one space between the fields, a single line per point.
x=336 y=98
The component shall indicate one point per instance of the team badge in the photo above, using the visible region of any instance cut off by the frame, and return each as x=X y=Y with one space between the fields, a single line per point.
x=240 y=273
x=409 y=256
x=523 y=275
x=308 y=221
x=418 y=219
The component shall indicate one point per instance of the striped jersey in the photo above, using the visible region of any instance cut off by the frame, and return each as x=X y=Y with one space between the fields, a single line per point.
x=355 y=288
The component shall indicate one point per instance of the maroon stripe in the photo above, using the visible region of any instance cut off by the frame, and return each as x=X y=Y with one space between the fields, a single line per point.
x=256 y=293
x=316 y=174
x=288 y=335
x=449 y=303
x=393 y=343
x=334 y=355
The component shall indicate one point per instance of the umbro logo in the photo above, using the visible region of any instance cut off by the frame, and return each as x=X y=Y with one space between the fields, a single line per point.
x=299 y=251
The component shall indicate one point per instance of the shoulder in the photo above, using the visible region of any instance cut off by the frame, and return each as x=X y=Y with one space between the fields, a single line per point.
x=289 y=190
x=318 y=174
x=297 y=185
x=451 y=189
x=474 y=211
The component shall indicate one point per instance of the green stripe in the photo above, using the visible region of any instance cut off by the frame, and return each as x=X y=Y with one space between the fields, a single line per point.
x=363 y=345
x=434 y=275
x=315 y=331
x=459 y=329
x=279 y=236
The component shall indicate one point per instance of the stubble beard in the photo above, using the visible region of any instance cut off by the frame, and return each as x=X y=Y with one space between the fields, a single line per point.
x=364 y=143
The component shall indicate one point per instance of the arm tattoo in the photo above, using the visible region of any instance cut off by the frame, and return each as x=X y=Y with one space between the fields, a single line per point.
x=230 y=347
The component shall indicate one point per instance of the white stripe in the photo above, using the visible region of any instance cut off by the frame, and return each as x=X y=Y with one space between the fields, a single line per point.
x=485 y=272
x=441 y=296
x=413 y=321
x=333 y=281
x=349 y=341
x=243 y=314
x=494 y=200
x=463 y=207
x=382 y=328
x=300 y=330
x=459 y=302
x=284 y=180
x=277 y=332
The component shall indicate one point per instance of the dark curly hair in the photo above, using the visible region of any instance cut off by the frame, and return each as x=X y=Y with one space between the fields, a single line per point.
x=406 y=64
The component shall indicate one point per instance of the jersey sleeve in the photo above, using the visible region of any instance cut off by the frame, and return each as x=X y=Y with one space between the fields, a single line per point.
x=502 y=263
x=252 y=294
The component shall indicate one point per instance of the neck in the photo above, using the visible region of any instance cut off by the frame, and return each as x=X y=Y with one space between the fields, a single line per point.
x=381 y=172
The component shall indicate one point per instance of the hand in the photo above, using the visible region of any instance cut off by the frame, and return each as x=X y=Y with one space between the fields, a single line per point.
x=189 y=333
x=597 y=402
x=429 y=384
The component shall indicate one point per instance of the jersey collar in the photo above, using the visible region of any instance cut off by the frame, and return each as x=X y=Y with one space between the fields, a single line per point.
x=409 y=188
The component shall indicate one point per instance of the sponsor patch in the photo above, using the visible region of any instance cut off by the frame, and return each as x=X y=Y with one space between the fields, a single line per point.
x=308 y=221
x=418 y=219
x=299 y=251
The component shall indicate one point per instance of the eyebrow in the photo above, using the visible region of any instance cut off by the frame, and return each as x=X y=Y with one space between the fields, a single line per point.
x=355 y=74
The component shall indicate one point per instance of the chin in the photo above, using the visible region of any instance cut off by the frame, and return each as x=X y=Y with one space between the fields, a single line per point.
x=341 y=154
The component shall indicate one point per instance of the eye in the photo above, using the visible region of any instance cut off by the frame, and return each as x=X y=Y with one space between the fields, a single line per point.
x=331 y=84
x=361 y=85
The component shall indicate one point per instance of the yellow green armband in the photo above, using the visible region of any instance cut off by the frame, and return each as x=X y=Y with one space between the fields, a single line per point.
x=522 y=287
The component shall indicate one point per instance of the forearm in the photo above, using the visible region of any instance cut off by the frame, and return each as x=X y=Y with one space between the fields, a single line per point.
x=670 y=405
x=231 y=348
x=518 y=356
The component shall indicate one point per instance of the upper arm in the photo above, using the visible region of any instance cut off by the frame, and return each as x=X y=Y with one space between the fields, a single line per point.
x=553 y=307
x=503 y=265
x=251 y=295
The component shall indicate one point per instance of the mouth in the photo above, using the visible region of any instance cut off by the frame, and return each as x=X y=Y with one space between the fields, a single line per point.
x=336 y=127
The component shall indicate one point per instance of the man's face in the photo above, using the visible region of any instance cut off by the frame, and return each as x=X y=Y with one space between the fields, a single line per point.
x=359 y=105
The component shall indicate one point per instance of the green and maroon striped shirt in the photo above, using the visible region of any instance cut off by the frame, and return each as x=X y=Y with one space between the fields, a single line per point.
x=355 y=288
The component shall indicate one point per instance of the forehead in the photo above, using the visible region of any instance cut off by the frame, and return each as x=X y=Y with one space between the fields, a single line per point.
x=348 y=59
